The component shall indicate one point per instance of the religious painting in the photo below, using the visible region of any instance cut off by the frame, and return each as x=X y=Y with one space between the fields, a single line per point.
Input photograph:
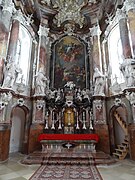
x=69 y=62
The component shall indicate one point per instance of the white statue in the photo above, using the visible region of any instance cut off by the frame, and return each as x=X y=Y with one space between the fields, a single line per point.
x=70 y=85
x=128 y=70
x=99 y=82
x=12 y=71
x=41 y=82
x=5 y=99
x=86 y=94
x=59 y=95
x=79 y=95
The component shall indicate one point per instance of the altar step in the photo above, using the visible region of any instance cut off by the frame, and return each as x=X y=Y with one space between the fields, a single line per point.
x=83 y=158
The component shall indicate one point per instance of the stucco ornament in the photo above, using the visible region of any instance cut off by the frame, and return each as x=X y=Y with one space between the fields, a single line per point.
x=20 y=102
x=131 y=97
x=40 y=104
x=117 y=102
x=129 y=4
x=98 y=104
x=4 y=99
x=43 y=31
x=68 y=10
x=8 y=5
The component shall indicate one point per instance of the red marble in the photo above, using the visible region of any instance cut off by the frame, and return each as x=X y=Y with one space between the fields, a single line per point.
x=125 y=38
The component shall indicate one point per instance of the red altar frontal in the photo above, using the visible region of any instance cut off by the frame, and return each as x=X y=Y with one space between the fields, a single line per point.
x=68 y=137
x=76 y=141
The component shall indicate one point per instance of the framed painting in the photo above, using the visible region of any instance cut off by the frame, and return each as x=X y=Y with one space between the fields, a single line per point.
x=69 y=63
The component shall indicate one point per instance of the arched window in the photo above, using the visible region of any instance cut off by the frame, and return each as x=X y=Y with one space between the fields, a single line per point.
x=115 y=54
x=23 y=53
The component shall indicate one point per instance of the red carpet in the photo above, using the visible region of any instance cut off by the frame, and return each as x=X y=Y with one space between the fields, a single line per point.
x=66 y=172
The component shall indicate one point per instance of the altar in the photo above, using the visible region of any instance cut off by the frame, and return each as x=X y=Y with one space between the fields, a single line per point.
x=69 y=141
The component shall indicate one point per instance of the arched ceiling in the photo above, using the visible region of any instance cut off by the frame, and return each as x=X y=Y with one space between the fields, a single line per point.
x=82 y=14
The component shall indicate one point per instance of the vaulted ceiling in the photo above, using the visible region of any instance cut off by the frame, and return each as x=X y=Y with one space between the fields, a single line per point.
x=89 y=12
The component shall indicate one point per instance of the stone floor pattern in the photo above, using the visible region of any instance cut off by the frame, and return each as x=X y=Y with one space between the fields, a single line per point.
x=14 y=170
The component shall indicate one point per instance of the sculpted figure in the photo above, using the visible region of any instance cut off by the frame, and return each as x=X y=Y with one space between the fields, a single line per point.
x=12 y=71
x=70 y=85
x=99 y=82
x=41 y=82
x=128 y=70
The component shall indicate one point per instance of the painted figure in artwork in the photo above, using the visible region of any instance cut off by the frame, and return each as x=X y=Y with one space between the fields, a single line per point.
x=69 y=62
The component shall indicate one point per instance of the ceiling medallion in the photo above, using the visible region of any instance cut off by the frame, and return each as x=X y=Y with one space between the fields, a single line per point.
x=69 y=10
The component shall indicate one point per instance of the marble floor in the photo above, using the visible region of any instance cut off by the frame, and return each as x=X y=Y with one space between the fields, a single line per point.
x=14 y=170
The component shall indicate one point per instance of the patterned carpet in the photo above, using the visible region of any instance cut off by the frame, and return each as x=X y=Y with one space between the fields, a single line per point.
x=66 y=172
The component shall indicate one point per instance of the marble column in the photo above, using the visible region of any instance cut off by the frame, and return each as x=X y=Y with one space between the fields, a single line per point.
x=18 y=18
x=7 y=10
x=130 y=9
x=43 y=41
x=96 y=51
x=124 y=34
x=105 y=62
x=13 y=40
x=5 y=21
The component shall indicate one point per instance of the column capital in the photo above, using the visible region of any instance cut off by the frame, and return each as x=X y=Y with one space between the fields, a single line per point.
x=8 y=6
x=95 y=31
x=120 y=14
x=43 y=31
x=19 y=16
x=129 y=4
